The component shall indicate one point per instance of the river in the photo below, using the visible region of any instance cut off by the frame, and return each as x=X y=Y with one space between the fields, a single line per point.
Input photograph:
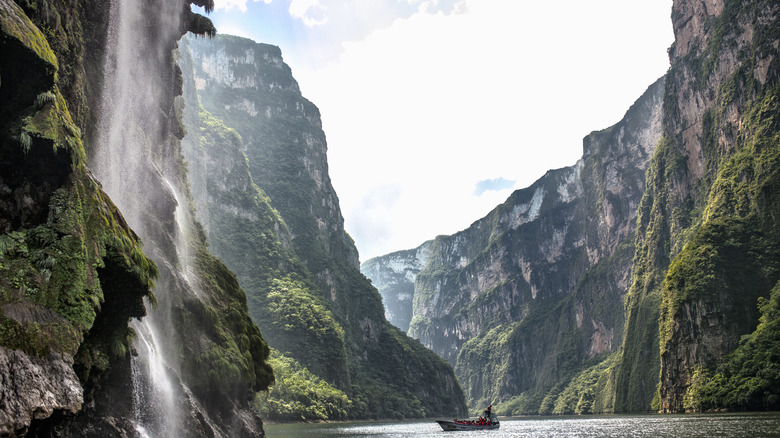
x=749 y=425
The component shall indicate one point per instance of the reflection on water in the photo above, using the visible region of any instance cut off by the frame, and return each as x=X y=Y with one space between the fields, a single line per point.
x=711 y=425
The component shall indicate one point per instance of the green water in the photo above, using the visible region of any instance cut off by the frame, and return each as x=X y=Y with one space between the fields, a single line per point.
x=748 y=425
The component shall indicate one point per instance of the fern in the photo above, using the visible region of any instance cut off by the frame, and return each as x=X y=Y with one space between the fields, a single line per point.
x=45 y=275
x=73 y=129
x=44 y=98
x=7 y=243
x=132 y=335
x=208 y=5
x=118 y=346
x=26 y=141
x=152 y=300
x=72 y=143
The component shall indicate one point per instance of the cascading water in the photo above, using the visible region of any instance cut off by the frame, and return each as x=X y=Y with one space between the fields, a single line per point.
x=183 y=253
x=136 y=162
x=153 y=391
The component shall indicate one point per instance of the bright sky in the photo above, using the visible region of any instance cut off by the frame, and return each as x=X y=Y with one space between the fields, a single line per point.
x=436 y=110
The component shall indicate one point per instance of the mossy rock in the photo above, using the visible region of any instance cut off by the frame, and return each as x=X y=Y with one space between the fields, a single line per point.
x=16 y=28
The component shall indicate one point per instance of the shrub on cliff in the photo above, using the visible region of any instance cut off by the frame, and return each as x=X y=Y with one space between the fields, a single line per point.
x=749 y=379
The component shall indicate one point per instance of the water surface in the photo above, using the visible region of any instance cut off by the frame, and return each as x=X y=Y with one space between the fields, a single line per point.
x=750 y=425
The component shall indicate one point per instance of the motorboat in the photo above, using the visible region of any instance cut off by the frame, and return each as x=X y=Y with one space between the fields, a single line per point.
x=486 y=422
x=467 y=424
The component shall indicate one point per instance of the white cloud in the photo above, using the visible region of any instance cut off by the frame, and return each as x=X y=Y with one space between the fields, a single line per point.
x=436 y=103
x=311 y=12
x=230 y=4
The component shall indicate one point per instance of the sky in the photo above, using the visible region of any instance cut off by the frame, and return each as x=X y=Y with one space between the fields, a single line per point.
x=436 y=110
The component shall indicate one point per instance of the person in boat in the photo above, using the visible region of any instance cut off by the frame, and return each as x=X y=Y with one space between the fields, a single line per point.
x=489 y=414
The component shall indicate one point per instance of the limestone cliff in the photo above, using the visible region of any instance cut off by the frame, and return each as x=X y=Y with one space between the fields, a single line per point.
x=393 y=275
x=72 y=273
x=271 y=213
x=708 y=245
x=533 y=292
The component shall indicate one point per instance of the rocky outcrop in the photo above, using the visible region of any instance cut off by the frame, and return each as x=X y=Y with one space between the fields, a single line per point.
x=63 y=239
x=277 y=125
x=706 y=248
x=530 y=293
x=35 y=387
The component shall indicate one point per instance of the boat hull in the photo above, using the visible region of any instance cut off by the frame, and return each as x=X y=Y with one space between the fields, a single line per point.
x=451 y=425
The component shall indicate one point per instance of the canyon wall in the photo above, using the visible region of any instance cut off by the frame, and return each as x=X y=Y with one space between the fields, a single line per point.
x=688 y=275
x=258 y=159
x=533 y=293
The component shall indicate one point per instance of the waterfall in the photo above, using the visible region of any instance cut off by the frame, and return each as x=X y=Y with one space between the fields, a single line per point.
x=183 y=253
x=137 y=160
x=153 y=391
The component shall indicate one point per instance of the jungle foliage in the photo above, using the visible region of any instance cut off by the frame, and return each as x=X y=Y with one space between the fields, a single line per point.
x=299 y=395
x=749 y=378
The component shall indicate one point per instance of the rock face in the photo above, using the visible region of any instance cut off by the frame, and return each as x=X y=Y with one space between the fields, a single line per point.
x=270 y=212
x=534 y=291
x=393 y=275
x=36 y=387
x=72 y=273
x=62 y=241
x=714 y=184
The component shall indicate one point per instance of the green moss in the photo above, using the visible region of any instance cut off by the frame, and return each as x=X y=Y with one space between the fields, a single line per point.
x=38 y=338
x=732 y=259
x=727 y=258
x=55 y=264
x=755 y=165
x=588 y=392
x=230 y=360
x=15 y=24
x=707 y=241
x=638 y=363
x=54 y=124
x=527 y=403
x=57 y=254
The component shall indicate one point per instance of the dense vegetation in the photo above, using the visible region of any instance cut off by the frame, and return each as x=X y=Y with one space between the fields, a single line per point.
x=749 y=379
x=61 y=247
x=299 y=395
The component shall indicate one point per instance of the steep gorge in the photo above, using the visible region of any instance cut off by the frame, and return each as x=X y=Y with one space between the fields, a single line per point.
x=717 y=250
x=688 y=281
x=533 y=293
x=550 y=304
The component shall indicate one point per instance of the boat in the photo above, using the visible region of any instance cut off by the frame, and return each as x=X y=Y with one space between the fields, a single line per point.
x=488 y=422
x=466 y=425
